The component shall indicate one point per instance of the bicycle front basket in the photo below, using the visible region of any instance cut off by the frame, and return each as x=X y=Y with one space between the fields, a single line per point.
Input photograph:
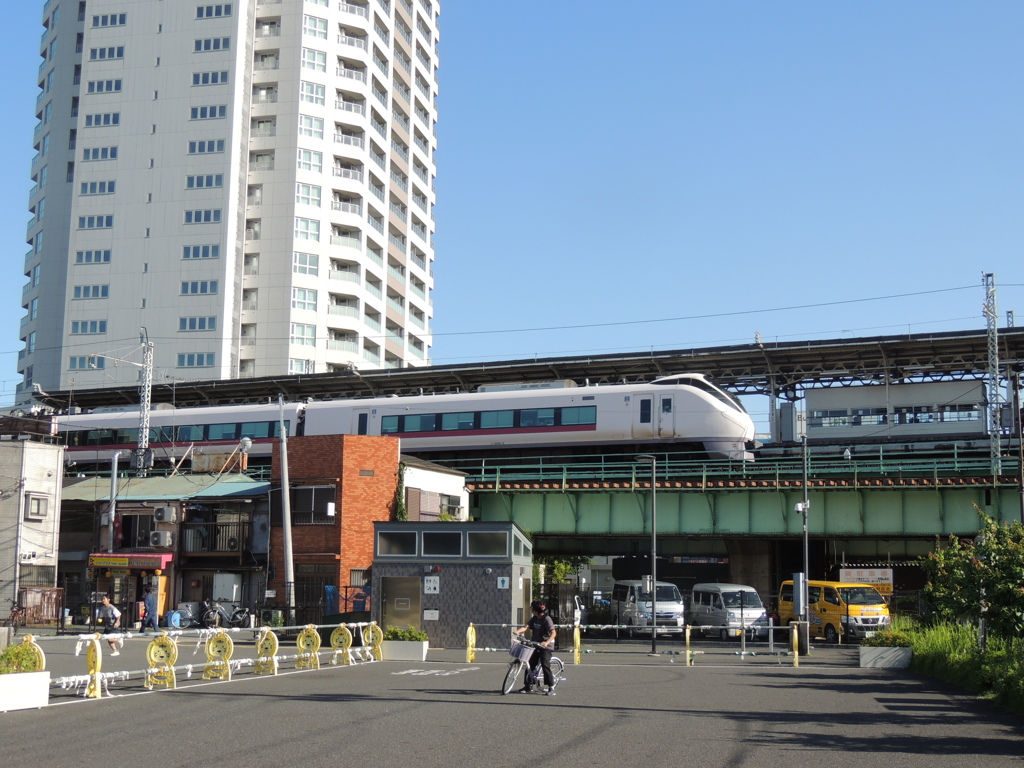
x=521 y=652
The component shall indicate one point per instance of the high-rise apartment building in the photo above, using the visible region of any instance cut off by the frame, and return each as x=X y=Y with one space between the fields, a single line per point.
x=250 y=182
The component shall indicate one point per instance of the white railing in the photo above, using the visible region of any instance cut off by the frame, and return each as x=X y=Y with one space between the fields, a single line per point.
x=350 y=277
x=358 y=10
x=343 y=309
x=344 y=138
x=358 y=42
x=350 y=106
x=347 y=207
x=341 y=345
x=346 y=240
x=348 y=173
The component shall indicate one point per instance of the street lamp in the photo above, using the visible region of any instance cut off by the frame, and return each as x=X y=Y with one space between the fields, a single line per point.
x=647 y=458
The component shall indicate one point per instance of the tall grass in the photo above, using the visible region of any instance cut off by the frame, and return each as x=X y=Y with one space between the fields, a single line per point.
x=950 y=652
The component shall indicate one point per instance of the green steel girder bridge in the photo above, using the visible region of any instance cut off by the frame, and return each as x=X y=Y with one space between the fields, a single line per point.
x=864 y=509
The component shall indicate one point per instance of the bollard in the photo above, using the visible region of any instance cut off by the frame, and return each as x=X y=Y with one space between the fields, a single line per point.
x=576 y=645
x=308 y=643
x=94 y=660
x=470 y=644
x=266 y=652
x=376 y=637
x=219 y=648
x=161 y=655
x=341 y=643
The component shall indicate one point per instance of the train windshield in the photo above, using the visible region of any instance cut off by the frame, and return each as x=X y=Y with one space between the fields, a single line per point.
x=705 y=386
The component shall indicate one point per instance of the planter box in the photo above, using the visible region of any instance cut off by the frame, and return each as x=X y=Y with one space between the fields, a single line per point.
x=404 y=650
x=24 y=690
x=893 y=658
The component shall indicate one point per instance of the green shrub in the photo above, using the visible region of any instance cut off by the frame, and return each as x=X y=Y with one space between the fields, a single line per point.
x=17 y=658
x=888 y=638
x=405 y=633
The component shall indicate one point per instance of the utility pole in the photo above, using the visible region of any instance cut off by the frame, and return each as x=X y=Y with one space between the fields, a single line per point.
x=286 y=520
x=994 y=397
x=143 y=460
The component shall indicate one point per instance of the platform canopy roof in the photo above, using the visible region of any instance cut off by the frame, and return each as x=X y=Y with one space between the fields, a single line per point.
x=760 y=367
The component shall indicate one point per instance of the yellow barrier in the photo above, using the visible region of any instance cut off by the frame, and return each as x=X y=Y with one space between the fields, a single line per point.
x=470 y=644
x=161 y=655
x=341 y=643
x=266 y=650
x=308 y=643
x=219 y=648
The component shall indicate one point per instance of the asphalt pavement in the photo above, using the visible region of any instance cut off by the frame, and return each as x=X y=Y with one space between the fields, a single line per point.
x=620 y=707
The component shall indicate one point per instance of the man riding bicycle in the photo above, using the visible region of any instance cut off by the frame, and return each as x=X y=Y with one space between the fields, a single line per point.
x=543 y=633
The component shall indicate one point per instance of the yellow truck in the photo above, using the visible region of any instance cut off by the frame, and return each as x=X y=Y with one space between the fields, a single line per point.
x=838 y=609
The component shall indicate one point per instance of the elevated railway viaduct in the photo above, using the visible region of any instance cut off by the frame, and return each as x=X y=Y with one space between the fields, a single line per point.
x=862 y=511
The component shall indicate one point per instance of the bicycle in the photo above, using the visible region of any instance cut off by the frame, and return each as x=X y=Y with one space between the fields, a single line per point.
x=16 y=617
x=209 y=615
x=521 y=651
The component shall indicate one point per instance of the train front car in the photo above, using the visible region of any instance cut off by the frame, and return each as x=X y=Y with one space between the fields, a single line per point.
x=704 y=413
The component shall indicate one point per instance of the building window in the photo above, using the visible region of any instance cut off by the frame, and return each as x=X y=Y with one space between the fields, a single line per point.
x=305 y=263
x=105 y=118
x=213 y=11
x=91 y=291
x=104 y=86
x=310 y=160
x=303 y=335
x=212 y=44
x=197 y=323
x=315 y=60
x=314 y=93
x=209 y=78
x=79 y=327
x=209 y=113
x=201 y=182
x=197 y=360
x=198 y=287
x=92 y=257
x=201 y=252
x=110 y=20
x=307 y=229
x=205 y=147
x=95 y=222
x=203 y=216
x=314 y=27
x=97 y=187
x=85 y=362
x=311 y=126
x=300 y=366
x=99 y=153
x=35 y=506
x=307 y=194
x=103 y=54
x=303 y=298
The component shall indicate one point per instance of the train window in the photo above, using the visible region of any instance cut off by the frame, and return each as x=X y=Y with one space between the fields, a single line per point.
x=127 y=437
x=424 y=422
x=496 y=419
x=190 y=433
x=99 y=437
x=666 y=405
x=451 y=421
x=388 y=425
x=537 y=417
x=255 y=429
x=584 y=414
x=222 y=432
x=645 y=410
x=161 y=435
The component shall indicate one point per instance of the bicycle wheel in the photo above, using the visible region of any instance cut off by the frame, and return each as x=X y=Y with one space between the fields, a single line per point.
x=514 y=668
x=211 y=619
x=556 y=671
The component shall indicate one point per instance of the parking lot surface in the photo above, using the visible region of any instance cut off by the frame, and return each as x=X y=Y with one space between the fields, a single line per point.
x=619 y=707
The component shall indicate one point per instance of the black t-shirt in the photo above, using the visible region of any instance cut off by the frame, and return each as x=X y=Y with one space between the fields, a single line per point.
x=542 y=627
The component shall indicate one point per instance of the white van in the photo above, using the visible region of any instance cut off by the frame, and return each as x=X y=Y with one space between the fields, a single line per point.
x=631 y=606
x=727 y=610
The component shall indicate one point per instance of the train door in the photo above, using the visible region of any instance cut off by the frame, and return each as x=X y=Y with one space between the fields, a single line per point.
x=362 y=421
x=653 y=415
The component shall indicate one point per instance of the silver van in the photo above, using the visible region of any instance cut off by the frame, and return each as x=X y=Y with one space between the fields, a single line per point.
x=727 y=610
x=631 y=606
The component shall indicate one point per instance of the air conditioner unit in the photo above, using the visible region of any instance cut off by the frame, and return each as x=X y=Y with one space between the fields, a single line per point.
x=164 y=514
x=161 y=539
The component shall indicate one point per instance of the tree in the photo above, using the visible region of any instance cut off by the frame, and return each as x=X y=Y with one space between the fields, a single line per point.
x=965 y=576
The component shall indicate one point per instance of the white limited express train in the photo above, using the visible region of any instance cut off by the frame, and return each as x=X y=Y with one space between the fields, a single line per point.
x=680 y=409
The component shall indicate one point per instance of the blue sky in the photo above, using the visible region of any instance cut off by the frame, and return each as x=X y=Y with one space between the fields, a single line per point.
x=619 y=177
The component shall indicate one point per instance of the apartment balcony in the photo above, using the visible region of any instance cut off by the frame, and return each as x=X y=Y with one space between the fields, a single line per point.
x=376 y=224
x=398 y=242
x=348 y=277
x=421 y=203
x=350 y=106
x=343 y=310
x=401 y=182
x=342 y=345
x=402 y=91
x=352 y=74
x=406 y=64
x=358 y=10
x=375 y=257
x=374 y=290
x=402 y=119
x=252 y=234
x=251 y=304
x=379 y=160
x=266 y=66
x=346 y=240
x=247 y=341
x=349 y=173
x=263 y=165
x=371 y=322
x=380 y=128
x=352 y=141
x=346 y=207
x=416 y=351
x=406 y=34
x=419 y=261
x=397 y=273
x=377 y=192
x=215 y=539
x=402 y=152
x=420 y=230
x=394 y=337
x=418 y=290
x=355 y=42
x=381 y=96
x=408 y=7
x=382 y=33
x=421 y=173
x=399 y=211
x=370 y=356
x=264 y=132
x=422 y=144
x=385 y=5
x=265 y=98
x=262 y=32
x=396 y=304
x=425 y=60
x=417 y=321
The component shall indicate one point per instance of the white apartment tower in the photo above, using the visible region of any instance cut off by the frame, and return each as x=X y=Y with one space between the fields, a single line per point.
x=251 y=182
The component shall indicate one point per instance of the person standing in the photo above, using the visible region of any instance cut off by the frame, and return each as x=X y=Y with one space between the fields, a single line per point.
x=543 y=629
x=149 y=603
x=111 y=623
